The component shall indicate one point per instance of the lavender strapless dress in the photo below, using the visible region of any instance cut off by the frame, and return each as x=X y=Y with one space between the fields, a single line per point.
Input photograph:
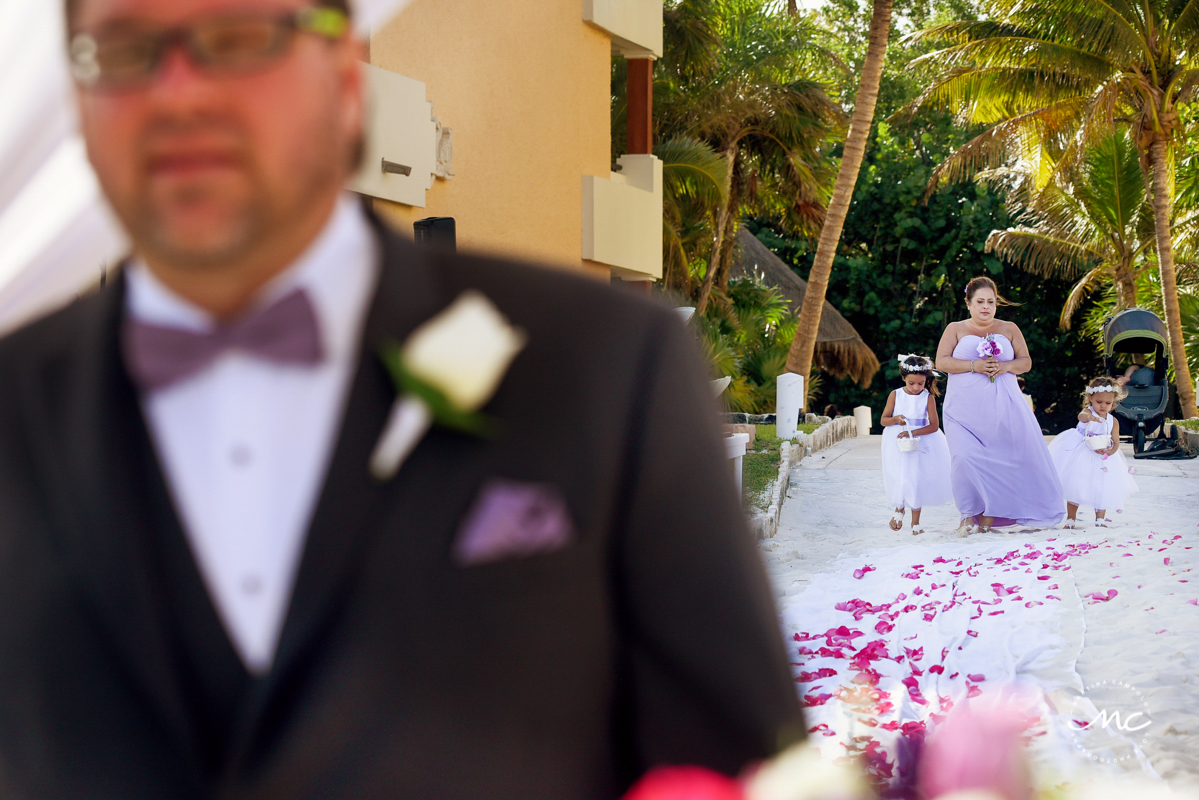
x=1000 y=465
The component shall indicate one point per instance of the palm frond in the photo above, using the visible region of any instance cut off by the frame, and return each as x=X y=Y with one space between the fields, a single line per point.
x=1041 y=253
x=691 y=168
x=1078 y=294
x=1063 y=63
x=1012 y=138
x=1184 y=33
x=1112 y=188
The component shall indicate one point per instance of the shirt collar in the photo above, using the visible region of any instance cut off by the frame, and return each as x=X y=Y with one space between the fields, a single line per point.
x=338 y=270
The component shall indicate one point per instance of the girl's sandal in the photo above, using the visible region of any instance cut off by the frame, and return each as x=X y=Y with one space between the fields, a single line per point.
x=917 y=531
x=1070 y=525
x=964 y=529
x=896 y=523
x=984 y=528
x=1104 y=523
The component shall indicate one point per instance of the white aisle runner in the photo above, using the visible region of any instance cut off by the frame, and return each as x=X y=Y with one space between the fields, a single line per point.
x=886 y=642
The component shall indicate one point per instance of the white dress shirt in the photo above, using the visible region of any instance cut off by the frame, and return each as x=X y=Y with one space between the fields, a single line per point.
x=245 y=443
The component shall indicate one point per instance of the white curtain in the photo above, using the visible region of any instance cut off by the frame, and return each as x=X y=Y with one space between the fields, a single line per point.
x=56 y=234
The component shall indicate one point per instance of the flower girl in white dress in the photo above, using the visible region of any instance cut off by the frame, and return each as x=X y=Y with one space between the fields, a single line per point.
x=1089 y=463
x=915 y=452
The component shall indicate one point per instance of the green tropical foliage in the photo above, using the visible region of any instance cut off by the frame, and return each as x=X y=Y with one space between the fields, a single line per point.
x=1044 y=103
x=693 y=183
x=1050 y=79
x=1091 y=224
x=899 y=275
x=746 y=81
x=747 y=339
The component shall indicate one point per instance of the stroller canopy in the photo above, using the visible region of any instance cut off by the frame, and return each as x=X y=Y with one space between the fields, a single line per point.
x=1134 y=330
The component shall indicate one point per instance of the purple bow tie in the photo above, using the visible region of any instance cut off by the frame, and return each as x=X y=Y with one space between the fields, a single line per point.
x=286 y=332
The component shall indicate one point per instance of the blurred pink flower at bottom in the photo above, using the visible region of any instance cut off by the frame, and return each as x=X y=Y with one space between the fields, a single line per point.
x=976 y=750
x=685 y=783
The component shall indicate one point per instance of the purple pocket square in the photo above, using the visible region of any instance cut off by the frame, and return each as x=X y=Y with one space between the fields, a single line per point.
x=510 y=519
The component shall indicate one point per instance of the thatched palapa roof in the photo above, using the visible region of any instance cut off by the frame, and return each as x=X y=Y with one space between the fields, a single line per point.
x=840 y=351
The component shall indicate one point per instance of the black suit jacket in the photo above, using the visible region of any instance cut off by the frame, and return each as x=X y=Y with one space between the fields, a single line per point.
x=651 y=639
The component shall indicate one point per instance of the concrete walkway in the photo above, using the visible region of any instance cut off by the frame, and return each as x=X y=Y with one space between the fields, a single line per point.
x=1147 y=636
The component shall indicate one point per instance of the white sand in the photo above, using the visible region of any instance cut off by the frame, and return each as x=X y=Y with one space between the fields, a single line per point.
x=1145 y=637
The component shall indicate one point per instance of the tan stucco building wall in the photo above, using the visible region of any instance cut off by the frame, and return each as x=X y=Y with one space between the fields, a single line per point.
x=524 y=84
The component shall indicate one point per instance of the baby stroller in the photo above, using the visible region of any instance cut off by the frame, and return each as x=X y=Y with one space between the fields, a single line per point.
x=1143 y=409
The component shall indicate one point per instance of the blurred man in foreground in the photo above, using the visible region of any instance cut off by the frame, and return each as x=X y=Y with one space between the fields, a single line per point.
x=213 y=584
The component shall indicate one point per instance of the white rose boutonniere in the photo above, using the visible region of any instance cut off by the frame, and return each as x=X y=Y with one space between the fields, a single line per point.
x=445 y=372
x=800 y=773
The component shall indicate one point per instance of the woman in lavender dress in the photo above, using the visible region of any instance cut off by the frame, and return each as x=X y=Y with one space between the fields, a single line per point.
x=1001 y=471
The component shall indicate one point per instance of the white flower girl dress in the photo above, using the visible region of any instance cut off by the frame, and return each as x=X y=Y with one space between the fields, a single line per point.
x=1089 y=479
x=918 y=478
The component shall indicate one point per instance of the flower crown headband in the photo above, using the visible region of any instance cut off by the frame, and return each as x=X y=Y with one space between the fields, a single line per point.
x=925 y=365
x=1107 y=387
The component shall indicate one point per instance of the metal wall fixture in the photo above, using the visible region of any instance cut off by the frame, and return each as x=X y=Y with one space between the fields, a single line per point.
x=396 y=169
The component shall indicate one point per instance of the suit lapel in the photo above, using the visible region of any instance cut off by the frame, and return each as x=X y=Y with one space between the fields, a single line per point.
x=103 y=481
x=351 y=500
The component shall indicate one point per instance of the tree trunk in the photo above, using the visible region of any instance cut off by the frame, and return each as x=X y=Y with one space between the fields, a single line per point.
x=680 y=279
x=722 y=222
x=732 y=226
x=793 y=8
x=799 y=358
x=1126 y=285
x=1162 y=202
x=668 y=273
x=726 y=255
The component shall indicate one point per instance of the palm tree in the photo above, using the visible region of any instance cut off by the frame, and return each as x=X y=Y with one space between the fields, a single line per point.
x=1050 y=78
x=1091 y=225
x=751 y=97
x=693 y=183
x=747 y=339
x=799 y=358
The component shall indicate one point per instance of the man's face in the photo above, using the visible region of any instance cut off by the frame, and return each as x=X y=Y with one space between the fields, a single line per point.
x=204 y=168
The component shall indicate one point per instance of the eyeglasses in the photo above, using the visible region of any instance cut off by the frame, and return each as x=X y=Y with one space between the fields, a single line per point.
x=128 y=56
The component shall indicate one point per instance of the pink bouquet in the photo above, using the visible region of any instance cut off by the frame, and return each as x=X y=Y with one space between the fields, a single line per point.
x=989 y=349
x=685 y=783
x=977 y=750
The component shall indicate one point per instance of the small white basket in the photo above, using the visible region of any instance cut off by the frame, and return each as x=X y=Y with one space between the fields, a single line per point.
x=1098 y=443
x=908 y=445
